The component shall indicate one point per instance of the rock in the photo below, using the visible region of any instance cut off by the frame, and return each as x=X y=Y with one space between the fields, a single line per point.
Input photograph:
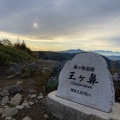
x=20 y=107
x=68 y=110
x=10 y=77
x=40 y=97
x=15 y=89
x=86 y=80
x=31 y=103
x=26 y=118
x=19 y=82
x=25 y=104
x=32 y=92
x=46 y=116
x=16 y=99
x=4 y=93
x=8 y=118
x=5 y=100
x=33 y=96
x=9 y=112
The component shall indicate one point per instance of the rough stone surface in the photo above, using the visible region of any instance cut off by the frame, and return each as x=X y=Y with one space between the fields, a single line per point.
x=8 y=118
x=33 y=96
x=9 y=112
x=68 y=110
x=4 y=93
x=86 y=80
x=20 y=107
x=31 y=103
x=27 y=118
x=15 y=89
x=5 y=100
x=25 y=104
x=16 y=99
x=40 y=97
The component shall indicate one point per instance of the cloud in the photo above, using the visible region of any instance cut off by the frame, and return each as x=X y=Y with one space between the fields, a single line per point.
x=75 y=21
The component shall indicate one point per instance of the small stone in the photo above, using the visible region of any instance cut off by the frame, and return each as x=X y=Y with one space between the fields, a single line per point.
x=40 y=94
x=8 y=118
x=16 y=99
x=19 y=82
x=4 y=93
x=33 y=96
x=5 y=100
x=46 y=116
x=31 y=103
x=40 y=97
x=26 y=118
x=20 y=107
x=25 y=104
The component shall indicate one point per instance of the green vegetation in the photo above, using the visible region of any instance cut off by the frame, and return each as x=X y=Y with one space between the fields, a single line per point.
x=17 y=52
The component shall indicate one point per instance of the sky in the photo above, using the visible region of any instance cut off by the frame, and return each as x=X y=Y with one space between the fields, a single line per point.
x=58 y=25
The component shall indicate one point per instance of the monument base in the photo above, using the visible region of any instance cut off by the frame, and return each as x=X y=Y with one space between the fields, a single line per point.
x=68 y=110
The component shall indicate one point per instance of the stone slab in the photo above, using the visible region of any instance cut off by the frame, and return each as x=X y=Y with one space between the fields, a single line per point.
x=86 y=80
x=68 y=110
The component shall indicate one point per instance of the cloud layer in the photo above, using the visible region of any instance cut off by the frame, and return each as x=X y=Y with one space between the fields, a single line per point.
x=86 y=24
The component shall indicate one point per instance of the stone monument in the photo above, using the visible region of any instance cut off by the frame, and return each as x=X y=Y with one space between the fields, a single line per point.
x=86 y=80
x=85 y=90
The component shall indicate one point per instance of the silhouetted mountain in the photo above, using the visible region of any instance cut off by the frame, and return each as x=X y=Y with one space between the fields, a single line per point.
x=72 y=51
x=114 y=57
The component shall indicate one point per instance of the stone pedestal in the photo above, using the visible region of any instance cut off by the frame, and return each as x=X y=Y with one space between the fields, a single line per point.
x=68 y=110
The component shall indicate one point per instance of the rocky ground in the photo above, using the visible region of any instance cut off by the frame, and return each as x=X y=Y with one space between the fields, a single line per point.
x=21 y=101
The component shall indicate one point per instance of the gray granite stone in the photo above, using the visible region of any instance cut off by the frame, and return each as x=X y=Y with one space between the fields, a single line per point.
x=68 y=110
x=86 y=80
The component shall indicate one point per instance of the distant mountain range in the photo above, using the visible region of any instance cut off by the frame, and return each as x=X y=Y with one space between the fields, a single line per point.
x=72 y=51
x=109 y=54
x=60 y=56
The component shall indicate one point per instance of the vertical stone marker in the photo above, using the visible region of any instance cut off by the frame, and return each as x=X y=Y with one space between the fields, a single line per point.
x=86 y=80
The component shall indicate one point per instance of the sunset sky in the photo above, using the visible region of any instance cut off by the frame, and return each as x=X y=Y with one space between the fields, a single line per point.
x=62 y=24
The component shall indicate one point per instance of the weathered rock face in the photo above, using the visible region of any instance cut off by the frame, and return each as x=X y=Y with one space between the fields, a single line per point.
x=86 y=80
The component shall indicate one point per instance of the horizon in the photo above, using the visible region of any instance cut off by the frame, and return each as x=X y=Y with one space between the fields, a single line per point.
x=62 y=25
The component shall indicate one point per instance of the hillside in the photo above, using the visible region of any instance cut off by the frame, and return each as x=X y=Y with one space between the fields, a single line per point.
x=17 y=53
x=56 y=56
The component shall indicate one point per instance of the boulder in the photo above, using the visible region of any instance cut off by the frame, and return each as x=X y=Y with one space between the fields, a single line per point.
x=15 y=89
x=9 y=112
x=16 y=99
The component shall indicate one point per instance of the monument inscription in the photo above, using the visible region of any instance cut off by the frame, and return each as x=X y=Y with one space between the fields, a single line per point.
x=86 y=80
